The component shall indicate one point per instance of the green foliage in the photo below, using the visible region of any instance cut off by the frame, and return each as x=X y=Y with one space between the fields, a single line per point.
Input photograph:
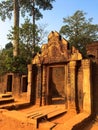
x=6 y=8
x=5 y=57
x=26 y=34
x=79 y=31
x=25 y=7
x=17 y=64
x=28 y=6
x=8 y=63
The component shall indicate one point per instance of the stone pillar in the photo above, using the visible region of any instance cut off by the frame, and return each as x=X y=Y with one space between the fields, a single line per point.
x=72 y=67
x=86 y=85
x=44 y=86
x=16 y=85
x=39 y=85
x=66 y=89
x=29 y=82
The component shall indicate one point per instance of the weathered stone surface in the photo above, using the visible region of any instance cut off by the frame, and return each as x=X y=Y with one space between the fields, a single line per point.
x=92 y=52
x=75 y=54
x=56 y=50
x=63 y=75
x=57 y=75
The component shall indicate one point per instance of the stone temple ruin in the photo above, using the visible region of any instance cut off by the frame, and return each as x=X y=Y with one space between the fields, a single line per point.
x=57 y=75
x=60 y=75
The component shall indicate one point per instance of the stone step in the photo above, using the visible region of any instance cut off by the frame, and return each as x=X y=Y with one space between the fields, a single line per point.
x=6 y=95
x=6 y=100
x=15 y=105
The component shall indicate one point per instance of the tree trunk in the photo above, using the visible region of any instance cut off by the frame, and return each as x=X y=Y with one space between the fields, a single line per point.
x=16 y=28
x=33 y=10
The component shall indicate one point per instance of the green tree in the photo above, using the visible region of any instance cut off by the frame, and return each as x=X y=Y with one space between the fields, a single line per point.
x=31 y=7
x=5 y=57
x=7 y=9
x=26 y=34
x=17 y=64
x=79 y=31
x=16 y=28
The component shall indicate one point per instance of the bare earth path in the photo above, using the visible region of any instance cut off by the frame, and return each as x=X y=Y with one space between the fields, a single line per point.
x=8 y=123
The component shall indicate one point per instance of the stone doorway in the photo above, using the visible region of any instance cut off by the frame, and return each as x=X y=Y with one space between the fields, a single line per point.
x=56 y=85
x=9 y=83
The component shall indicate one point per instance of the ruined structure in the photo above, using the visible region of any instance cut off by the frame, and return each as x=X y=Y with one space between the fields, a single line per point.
x=59 y=75
x=14 y=84
x=92 y=52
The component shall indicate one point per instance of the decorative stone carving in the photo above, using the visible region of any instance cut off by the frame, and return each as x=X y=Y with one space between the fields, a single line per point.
x=56 y=50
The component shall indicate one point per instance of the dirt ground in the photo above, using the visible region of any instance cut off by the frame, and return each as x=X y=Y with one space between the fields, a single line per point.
x=8 y=123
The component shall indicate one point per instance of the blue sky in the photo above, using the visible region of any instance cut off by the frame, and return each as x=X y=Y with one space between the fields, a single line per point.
x=54 y=17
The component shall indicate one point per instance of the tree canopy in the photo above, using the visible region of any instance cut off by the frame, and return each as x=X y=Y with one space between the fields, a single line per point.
x=26 y=33
x=17 y=64
x=79 y=31
x=25 y=7
x=33 y=7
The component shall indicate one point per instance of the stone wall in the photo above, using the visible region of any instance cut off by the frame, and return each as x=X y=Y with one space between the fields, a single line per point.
x=3 y=83
x=92 y=52
x=13 y=83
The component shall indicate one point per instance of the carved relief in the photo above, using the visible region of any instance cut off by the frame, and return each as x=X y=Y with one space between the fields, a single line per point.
x=56 y=50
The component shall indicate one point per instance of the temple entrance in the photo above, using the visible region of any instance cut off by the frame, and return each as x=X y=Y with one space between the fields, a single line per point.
x=9 y=83
x=56 y=85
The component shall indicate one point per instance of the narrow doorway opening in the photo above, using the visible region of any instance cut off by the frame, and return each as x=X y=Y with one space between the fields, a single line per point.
x=9 y=83
x=56 y=85
x=24 y=84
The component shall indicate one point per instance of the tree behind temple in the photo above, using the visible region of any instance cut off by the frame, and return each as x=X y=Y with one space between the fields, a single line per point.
x=26 y=34
x=31 y=7
x=7 y=10
x=79 y=31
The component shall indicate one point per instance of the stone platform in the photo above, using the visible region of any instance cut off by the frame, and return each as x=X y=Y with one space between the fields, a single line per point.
x=45 y=113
